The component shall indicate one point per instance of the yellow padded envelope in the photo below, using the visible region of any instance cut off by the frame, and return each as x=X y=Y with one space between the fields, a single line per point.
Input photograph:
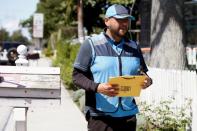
x=128 y=85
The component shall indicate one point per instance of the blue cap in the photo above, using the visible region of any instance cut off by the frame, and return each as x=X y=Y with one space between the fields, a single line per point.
x=118 y=12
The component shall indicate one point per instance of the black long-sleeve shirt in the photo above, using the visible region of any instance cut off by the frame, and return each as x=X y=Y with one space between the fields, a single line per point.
x=83 y=80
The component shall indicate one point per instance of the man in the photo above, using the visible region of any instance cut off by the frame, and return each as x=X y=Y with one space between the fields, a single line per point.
x=109 y=54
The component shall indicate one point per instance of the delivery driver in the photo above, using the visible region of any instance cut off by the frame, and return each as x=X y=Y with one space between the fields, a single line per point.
x=109 y=54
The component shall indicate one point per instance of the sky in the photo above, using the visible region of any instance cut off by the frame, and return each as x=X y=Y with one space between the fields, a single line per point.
x=14 y=11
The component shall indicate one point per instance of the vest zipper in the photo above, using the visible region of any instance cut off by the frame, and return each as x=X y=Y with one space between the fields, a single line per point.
x=120 y=73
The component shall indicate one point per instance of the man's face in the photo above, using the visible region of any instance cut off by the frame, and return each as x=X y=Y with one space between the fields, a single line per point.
x=118 y=27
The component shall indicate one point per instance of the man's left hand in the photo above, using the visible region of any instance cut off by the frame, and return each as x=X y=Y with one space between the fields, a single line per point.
x=147 y=82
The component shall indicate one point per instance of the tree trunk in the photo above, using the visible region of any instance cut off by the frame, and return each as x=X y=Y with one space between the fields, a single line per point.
x=167 y=35
x=80 y=21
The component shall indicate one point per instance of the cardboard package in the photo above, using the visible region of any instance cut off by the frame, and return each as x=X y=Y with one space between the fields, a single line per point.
x=128 y=85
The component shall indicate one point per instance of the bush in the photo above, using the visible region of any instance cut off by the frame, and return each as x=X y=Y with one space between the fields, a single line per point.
x=66 y=54
x=164 y=116
x=79 y=98
x=69 y=32
x=48 y=52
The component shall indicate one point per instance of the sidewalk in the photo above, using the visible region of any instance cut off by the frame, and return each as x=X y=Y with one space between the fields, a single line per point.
x=66 y=117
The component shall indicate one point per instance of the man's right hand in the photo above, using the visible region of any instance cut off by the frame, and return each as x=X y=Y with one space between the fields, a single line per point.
x=108 y=89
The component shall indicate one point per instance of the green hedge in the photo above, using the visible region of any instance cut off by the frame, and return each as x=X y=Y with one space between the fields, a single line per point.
x=65 y=57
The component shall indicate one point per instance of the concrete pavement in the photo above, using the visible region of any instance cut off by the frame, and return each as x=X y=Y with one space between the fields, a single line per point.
x=66 y=117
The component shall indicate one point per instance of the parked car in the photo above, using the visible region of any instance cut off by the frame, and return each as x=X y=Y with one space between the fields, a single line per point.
x=8 y=52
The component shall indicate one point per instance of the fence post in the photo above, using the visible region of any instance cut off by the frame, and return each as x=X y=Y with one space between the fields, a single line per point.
x=22 y=51
x=21 y=113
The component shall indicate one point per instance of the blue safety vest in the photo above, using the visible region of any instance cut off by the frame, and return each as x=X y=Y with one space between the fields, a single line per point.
x=109 y=60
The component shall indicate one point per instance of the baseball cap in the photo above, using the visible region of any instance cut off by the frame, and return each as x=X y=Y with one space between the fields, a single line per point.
x=118 y=12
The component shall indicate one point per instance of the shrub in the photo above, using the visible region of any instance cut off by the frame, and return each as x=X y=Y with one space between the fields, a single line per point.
x=66 y=54
x=165 y=116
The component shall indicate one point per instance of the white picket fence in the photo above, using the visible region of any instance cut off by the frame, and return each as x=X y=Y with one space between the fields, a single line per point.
x=173 y=83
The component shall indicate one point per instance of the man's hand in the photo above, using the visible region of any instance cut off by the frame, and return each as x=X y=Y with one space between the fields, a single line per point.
x=147 y=82
x=108 y=89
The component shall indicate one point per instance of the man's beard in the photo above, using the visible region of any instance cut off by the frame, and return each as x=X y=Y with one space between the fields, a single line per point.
x=117 y=32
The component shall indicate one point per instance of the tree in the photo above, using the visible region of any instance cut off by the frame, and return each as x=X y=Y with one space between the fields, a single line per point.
x=4 y=35
x=125 y=2
x=80 y=21
x=63 y=13
x=167 y=35
x=18 y=36
x=57 y=14
x=28 y=23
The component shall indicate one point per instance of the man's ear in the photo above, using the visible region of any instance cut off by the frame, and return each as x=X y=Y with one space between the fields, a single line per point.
x=106 y=21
